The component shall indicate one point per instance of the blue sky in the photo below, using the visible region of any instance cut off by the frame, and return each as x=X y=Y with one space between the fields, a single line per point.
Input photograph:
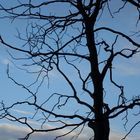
x=127 y=72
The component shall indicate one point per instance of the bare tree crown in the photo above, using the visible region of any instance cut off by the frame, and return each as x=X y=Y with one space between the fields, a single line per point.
x=66 y=37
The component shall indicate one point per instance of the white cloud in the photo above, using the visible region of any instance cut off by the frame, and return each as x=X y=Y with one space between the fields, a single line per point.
x=13 y=132
x=117 y=135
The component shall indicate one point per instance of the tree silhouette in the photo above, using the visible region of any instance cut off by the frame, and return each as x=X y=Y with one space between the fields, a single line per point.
x=73 y=43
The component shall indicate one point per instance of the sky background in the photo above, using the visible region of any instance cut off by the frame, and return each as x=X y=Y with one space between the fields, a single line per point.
x=127 y=73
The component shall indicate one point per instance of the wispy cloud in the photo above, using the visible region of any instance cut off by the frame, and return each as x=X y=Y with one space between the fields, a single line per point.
x=5 y=61
x=22 y=112
x=13 y=132
x=117 y=135
x=128 y=69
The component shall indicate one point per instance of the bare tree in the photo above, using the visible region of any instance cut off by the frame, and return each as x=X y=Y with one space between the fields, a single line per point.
x=72 y=38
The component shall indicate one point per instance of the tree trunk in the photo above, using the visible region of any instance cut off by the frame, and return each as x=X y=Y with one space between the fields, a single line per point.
x=101 y=129
x=100 y=126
